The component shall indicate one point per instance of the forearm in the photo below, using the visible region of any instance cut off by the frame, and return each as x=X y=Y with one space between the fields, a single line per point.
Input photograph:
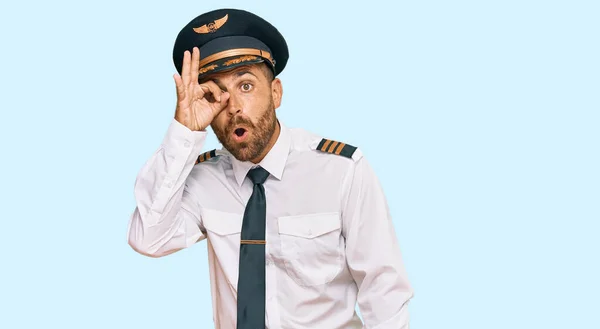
x=166 y=217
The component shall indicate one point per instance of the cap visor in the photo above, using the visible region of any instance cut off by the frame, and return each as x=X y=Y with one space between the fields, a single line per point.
x=229 y=63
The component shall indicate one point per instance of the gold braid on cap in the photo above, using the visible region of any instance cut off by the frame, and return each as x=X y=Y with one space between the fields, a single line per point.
x=208 y=68
x=239 y=60
x=236 y=52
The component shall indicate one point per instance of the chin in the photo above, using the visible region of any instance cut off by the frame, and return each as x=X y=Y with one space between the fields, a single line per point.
x=243 y=151
x=244 y=156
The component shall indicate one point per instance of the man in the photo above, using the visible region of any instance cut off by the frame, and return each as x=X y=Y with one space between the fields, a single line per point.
x=297 y=225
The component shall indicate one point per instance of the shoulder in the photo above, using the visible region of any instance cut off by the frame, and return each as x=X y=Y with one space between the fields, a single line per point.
x=209 y=157
x=335 y=147
x=321 y=146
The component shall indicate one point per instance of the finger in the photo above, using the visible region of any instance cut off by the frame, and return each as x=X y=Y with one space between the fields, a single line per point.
x=214 y=90
x=200 y=91
x=222 y=105
x=195 y=65
x=179 y=86
x=224 y=100
x=185 y=69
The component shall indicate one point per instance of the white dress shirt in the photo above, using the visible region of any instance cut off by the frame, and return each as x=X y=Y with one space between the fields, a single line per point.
x=330 y=238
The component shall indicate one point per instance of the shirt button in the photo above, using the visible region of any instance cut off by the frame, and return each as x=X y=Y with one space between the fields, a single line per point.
x=186 y=144
x=170 y=184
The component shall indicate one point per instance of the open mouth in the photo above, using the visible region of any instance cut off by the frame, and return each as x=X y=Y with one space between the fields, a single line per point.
x=239 y=134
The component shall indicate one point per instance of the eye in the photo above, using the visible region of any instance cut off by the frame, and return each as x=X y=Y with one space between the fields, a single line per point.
x=247 y=87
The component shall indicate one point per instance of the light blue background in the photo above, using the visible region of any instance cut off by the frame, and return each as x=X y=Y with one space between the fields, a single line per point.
x=480 y=117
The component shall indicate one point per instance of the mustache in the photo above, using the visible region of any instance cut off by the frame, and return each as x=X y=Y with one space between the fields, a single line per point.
x=238 y=120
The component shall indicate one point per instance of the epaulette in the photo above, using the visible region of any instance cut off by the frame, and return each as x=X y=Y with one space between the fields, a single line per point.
x=206 y=156
x=334 y=147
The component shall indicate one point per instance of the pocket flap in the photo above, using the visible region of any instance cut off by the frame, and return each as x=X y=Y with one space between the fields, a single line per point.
x=309 y=226
x=220 y=222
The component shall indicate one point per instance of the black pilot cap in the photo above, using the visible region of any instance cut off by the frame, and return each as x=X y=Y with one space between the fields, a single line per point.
x=228 y=38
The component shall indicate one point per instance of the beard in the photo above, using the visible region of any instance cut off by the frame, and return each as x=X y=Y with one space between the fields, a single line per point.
x=260 y=134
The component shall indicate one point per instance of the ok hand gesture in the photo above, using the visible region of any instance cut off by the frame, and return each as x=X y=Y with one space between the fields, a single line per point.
x=194 y=110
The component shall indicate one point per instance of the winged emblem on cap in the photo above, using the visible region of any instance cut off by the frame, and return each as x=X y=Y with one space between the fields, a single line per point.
x=212 y=26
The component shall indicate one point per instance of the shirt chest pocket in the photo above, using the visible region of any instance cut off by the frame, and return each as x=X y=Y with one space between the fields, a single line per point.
x=312 y=247
x=224 y=230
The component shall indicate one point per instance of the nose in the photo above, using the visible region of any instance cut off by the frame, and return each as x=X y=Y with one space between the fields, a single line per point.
x=233 y=105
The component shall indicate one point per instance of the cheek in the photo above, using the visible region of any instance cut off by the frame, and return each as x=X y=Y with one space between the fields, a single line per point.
x=254 y=104
x=219 y=121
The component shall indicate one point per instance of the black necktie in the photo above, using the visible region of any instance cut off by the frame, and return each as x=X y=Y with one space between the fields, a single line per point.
x=251 y=277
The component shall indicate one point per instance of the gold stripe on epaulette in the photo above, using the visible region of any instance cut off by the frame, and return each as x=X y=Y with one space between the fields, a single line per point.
x=339 y=148
x=332 y=146
x=324 y=147
x=204 y=157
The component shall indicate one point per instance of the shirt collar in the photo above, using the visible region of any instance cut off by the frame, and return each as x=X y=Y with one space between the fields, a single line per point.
x=274 y=162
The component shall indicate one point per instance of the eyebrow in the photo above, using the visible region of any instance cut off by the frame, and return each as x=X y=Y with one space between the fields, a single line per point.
x=242 y=72
x=237 y=74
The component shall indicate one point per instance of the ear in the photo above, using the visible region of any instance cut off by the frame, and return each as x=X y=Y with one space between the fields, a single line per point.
x=277 y=92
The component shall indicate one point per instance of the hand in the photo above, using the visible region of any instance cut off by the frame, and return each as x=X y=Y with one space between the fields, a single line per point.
x=197 y=104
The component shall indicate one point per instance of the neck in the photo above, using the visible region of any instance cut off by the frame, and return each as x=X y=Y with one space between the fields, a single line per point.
x=272 y=142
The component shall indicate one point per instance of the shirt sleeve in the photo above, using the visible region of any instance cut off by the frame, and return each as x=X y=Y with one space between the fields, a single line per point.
x=373 y=252
x=167 y=217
